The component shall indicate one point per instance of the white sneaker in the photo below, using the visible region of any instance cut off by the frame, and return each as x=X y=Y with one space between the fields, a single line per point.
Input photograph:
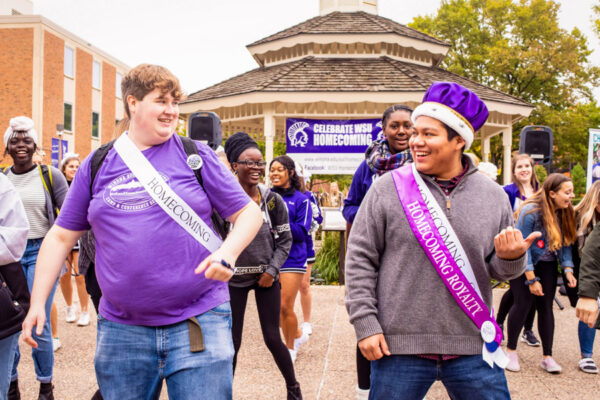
x=84 y=319
x=362 y=394
x=71 y=314
x=307 y=328
x=56 y=344
x=300 y=341
x=293 y=354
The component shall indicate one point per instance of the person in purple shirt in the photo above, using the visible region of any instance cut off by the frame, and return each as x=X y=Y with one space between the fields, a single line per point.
x=164 y=312
x=383 y=155
x=286 y=183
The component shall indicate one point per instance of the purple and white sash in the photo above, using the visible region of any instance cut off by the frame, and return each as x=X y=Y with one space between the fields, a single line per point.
x=426 y=219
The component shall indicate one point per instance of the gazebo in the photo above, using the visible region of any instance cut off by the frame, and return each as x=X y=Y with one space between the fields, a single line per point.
x=346 y=63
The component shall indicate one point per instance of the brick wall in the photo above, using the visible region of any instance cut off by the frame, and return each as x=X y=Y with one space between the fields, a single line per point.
x=107 y=119
x=54 y=50
x=16 y=77
x=83 y=102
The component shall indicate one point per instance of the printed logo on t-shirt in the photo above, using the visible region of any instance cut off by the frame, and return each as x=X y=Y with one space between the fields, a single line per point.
x=126 y=193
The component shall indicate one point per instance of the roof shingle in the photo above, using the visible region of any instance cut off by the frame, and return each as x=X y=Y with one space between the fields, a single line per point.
x=312 y=74
x=355 y=22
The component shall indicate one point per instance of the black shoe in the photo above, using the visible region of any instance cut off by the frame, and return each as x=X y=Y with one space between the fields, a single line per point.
x=13 y=391
x=529 y=338
x=97 y=395
x=46 y=391
x=293 y=392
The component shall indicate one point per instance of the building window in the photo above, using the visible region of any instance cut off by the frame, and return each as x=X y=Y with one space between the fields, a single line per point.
x=118 y=84
x=96 y=76
x=95 y=125
x=68 y=117
x=69 y=67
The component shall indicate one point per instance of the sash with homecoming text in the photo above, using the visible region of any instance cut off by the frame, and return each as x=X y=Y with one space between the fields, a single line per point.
x=455 y=271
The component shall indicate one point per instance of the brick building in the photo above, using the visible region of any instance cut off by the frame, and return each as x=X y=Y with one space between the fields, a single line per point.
x=56 y=78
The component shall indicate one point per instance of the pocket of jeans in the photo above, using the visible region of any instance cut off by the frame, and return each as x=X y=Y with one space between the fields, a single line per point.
x=222 y=309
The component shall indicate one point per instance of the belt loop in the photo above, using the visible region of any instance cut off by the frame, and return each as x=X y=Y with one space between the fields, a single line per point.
x=196 y=336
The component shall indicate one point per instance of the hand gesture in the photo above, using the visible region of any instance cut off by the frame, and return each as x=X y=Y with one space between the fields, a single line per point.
x=215 y=268
x=510 y=244
x=536 y=289
x=571 y=281
x=35 y=317
x=266 y=280
x=587 y=310
x=374 y=347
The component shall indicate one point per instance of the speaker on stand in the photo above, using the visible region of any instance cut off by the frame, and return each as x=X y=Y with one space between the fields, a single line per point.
x=537 y=141
x=205 y=127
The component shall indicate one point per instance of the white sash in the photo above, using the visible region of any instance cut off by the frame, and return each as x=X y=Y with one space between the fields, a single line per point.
x=166 y=198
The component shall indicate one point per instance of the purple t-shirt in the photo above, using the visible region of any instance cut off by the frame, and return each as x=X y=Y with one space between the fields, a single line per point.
x=145 y=261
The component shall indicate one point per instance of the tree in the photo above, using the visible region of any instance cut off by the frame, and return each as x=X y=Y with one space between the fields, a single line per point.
x=579 y=180
x=540 y=173
x=517 y=46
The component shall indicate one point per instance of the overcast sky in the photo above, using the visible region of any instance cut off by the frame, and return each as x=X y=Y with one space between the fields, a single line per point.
x=203 y=42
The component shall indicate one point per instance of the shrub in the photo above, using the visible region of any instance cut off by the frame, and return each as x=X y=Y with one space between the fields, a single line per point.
x=328 y=258
x=541 y=173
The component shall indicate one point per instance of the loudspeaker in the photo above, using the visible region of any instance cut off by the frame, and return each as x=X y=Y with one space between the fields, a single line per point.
x=536 y=140
x=205 y=126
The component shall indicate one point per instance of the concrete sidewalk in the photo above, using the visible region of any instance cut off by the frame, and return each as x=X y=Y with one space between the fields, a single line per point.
x=325 y=366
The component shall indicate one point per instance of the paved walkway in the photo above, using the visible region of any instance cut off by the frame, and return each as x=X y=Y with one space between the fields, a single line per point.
x=325 y=366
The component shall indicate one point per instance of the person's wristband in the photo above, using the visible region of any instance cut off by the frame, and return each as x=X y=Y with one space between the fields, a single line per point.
x=532 y=281
x=568 y=269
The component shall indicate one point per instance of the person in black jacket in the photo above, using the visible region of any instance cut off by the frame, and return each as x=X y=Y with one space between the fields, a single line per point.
x=259 y=264
x=13 y=239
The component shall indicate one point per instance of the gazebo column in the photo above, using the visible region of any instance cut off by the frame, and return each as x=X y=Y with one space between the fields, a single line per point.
x=269 y=132
x=485 y=148
x=507 y=143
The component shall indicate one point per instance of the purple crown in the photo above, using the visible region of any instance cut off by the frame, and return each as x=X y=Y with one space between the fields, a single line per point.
x=460 y=99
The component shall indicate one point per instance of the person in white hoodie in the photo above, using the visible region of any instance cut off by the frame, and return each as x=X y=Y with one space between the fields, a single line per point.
x=13 y=239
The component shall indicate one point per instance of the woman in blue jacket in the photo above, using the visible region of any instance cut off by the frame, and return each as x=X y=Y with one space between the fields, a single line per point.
x=287 y=184
x=548 y=211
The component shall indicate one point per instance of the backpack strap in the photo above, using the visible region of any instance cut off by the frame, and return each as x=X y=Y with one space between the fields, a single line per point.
x=190 y=147
x=46 y=175
x=97 y=160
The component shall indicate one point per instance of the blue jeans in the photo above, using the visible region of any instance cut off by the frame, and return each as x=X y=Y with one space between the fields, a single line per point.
x=43 y=356
x=132 y=361
x=586 y=339
x=410 y=377
x=8 y=346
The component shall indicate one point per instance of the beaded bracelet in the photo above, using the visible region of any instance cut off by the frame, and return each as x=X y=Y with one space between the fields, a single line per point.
x=532 y=281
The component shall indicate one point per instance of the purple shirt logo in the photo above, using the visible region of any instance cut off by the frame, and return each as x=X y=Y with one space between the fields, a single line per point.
x=126 y=193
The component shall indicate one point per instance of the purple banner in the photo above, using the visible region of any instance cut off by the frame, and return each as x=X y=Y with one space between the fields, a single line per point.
x=330 y=136
x=55 y=150
x=64 y=144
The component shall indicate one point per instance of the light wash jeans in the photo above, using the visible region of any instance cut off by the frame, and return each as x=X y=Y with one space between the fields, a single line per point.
x=8 y=347
x=132 y=361
x=43 y=356
x=410 y=377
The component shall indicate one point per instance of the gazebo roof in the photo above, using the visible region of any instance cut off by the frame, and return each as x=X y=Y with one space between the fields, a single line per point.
x=349 y=23
x=316 y=74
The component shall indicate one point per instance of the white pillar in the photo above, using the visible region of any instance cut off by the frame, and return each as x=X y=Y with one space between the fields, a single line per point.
x=269 y=132
x=507 y=144
x=485 y=148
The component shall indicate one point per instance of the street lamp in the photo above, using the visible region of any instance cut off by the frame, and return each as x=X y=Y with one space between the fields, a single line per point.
x=60 y=130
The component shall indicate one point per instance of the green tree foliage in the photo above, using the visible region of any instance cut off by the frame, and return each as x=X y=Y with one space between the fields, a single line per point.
x=517 y=46
x=541 y=173
x=579 y=180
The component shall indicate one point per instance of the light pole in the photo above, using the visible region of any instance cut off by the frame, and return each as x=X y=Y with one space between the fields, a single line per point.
x=60 y=130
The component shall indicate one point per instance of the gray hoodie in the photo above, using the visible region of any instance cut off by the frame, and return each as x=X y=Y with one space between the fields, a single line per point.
x=393 y=289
